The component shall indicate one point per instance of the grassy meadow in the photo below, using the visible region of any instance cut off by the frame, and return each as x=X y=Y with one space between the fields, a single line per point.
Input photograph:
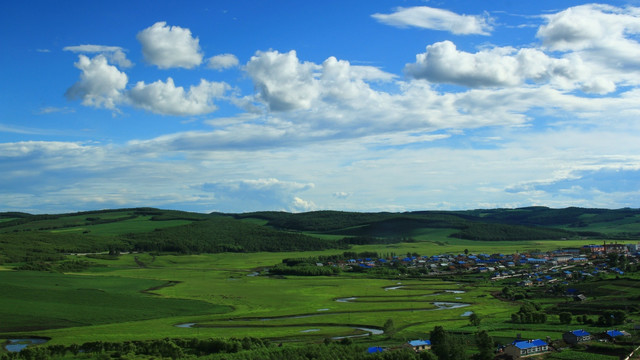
x=117 y=300
x=145 y=295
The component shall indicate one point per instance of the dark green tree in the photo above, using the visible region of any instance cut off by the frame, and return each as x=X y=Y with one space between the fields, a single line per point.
x=474 y=319
x=484 y=342
x=427 y=355
x=389 y=328
x=445 y=345
x=565 y=317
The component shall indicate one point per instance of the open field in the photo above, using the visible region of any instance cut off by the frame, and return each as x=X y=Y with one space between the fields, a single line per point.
x=220 y=280
x=107 y=301
x=158 y=295
x=41 y=300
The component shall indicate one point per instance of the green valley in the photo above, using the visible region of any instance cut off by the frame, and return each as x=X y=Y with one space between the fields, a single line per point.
x=125 y=283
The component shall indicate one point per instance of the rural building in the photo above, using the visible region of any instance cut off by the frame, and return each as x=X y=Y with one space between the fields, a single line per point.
x=420 y=345
x=519 y=349
x=536 y=261
x=615 y=248
x=580 y=297
x=576 y=336
x=613 y=334
x=594 y=248
x=633 y=248
x=561 y=259
x=374 y=349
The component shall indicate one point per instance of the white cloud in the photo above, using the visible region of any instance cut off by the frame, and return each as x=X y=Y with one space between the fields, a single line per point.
x=260 y=194
x=599 y=45
x=103 y=85
x=589 y=26
x=170 y=46
x=167 y=99
x=357 y=137
x=436 y=19
x=341 y=194
x=114 y=54
x=282 y=81
x=301 y=205
x=498 y=66
x=602 y=38
x=53 y=109
x=509 y=67
x=223 y=61
x=100 y=84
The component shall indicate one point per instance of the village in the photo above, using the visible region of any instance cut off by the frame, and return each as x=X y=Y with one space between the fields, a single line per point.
x=520 y=348
x=563 y=266
x=533 y=268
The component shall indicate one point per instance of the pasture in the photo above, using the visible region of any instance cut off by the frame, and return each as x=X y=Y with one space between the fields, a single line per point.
x=222 y=296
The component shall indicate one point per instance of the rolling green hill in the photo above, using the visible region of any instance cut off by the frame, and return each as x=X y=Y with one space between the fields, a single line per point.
x=26 y=237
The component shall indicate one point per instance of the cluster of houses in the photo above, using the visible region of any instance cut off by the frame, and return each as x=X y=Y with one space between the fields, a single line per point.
x=522 y=348
x=500 y=266
x=525 y=348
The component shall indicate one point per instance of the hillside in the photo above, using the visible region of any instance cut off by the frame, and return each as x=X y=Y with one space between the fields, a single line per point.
x=26 y=237
x=495 y=224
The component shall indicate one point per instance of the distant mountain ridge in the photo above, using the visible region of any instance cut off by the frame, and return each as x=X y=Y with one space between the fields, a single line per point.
x=26 y=237
x=572 y=218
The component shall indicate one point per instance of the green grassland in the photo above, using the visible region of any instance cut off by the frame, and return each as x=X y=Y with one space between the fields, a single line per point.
x=201 y=269
x=41 y=300
x=216 y=292
x=220 y=282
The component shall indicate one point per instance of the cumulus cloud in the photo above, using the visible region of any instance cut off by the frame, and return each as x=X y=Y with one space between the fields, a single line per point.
x=436 y=19
x=100 y=84
x=167 y=99
x=498 y=66
x=603 y=38
x=114 y=54
x=223 y=61
x=170 y=46
x=589 y=26
x=356 y=130
x=285 y=83
x=509 y=67
x=301 y=205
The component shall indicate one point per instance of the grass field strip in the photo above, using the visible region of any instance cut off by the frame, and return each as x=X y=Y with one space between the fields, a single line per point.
x=325 y=318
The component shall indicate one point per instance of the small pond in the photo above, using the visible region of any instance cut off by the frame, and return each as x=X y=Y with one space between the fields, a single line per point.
x=185 y=325
x=16 y=345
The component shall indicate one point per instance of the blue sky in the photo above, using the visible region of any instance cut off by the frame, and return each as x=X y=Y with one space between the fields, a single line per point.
x=239 y=106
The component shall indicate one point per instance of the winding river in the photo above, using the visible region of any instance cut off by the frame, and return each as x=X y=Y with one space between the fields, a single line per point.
x=439 y=305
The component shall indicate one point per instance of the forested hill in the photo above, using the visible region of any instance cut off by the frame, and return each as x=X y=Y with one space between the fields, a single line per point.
x=561 y=222
x=26 y=237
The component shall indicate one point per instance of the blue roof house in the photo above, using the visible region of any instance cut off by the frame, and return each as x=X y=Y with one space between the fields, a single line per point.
x=374 y=349
x=419 y=345
x=612 y=334
x=522 y=348
x=576 y=337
